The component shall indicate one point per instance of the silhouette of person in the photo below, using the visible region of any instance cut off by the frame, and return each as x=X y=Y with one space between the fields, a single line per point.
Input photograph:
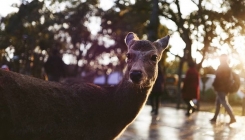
x=156 y=93
x=55 y=67
x=191 y=88
x=221 y=85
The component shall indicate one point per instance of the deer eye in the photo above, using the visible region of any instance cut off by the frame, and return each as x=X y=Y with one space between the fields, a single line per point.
x=128 y=57
x=154 y=57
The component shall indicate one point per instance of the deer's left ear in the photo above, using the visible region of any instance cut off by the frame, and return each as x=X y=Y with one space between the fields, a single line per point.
x=130 y=37
x=162 y=43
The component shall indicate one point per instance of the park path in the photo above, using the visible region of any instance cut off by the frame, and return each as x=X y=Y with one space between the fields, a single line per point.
x=172 y=124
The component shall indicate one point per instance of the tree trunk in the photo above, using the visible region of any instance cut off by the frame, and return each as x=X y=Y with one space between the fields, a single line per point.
x=154 y=22
x=76 y=66
x=186 y=58
x=181 y=64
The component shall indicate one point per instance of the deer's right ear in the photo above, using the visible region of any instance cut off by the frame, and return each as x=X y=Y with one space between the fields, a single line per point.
x=129 y=37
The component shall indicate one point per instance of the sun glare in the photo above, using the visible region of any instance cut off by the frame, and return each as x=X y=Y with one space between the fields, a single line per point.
x=211 y=62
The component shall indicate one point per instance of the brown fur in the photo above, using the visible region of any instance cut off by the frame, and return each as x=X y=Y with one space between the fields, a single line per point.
x=33 y=109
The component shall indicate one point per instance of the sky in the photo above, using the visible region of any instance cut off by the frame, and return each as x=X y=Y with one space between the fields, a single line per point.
x=5 y=7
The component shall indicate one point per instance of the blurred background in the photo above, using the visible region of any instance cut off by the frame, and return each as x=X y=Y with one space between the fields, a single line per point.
x=89 y=36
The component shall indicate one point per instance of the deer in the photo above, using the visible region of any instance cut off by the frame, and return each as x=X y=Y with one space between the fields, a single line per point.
x=35 y=109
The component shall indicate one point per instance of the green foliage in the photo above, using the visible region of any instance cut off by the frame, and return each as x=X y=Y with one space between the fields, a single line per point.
x=122 y=18
x=237 y=8
x=25 y=31
x=234 y=99
x=36 y=26
x=79 y=13
x=201 y=24
x=208 y=96
x=208 y=70
x=172 y=67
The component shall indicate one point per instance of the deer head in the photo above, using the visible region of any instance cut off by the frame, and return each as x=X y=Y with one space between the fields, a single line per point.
x=142 y=59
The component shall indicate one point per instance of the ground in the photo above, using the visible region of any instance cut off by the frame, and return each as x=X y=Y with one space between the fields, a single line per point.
x=171 y=123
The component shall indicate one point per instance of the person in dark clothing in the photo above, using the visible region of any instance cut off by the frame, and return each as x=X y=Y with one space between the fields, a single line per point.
x=156 y=93
x=55 y=67
x=221 y=85
x=191 y=88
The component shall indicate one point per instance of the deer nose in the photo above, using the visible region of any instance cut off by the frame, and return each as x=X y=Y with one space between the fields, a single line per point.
x=136 y=76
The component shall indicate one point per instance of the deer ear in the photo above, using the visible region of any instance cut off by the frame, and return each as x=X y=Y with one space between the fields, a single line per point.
x=129 y=37
x=162 y=43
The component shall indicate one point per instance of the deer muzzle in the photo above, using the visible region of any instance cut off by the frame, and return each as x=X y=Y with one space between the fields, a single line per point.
x=136 y=76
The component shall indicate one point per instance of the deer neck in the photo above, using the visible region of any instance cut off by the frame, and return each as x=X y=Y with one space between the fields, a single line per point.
x=129 y=99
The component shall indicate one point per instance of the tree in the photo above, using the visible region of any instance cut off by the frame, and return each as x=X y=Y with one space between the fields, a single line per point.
x=154 y=22
x=139 y=17
x=73 y=21
x=35 y=28
x=201 y=26
x=27 y=32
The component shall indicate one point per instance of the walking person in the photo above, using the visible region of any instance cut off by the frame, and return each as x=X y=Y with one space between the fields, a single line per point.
x=221 y=86
x=156 y=93
x=191 y=88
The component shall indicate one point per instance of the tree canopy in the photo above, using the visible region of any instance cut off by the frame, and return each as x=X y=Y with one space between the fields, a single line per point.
x=39 y=26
